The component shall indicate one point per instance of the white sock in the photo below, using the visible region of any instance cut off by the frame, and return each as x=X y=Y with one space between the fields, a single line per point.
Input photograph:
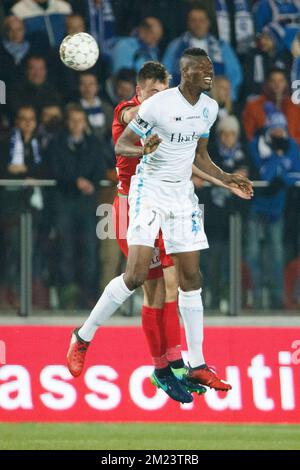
x=191 y=309
x=114 y=294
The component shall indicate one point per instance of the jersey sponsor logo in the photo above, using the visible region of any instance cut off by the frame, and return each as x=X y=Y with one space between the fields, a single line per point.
x=180 y=138
x=193 y=117
x=176 y=118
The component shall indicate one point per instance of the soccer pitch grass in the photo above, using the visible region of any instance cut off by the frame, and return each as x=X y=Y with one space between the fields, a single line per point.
x=98 y=436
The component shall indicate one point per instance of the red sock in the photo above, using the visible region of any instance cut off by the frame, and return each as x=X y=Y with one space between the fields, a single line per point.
x=153 y=329
x=171 y=327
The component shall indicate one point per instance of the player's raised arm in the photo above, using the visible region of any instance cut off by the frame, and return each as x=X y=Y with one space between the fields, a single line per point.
x=127 y=114
x=233 y=181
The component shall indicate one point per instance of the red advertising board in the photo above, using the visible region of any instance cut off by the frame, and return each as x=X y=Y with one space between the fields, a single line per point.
x=262 y=364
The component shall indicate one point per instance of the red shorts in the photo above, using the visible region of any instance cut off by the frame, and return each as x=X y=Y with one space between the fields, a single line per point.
x=160 y=259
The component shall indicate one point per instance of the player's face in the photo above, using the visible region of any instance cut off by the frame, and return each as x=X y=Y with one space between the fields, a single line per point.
x=150 y=88
x=200 y=73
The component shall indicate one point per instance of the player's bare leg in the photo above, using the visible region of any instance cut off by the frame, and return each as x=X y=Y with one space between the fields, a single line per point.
x=191 y=309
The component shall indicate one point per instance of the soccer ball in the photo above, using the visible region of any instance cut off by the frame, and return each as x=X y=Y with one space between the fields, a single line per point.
x=79 y=51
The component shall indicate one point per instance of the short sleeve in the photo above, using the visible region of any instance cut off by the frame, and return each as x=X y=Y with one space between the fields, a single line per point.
x=213 y=113
x=145 y=120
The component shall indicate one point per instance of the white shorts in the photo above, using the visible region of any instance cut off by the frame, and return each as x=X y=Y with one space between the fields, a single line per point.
x=171 y=207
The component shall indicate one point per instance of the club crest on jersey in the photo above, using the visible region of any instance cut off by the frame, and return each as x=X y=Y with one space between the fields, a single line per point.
x=205 y=113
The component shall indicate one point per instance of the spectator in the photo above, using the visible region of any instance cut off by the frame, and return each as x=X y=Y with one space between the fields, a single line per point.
x=44 y=21
x=221 y=92
x=269 y=53
x=276 y=159
x=100 y=20
x=98 y=110
x=229 y=155
x=197 y=35
x=78 y=165
x=173 y=24
x=276 y=91
x=14 y=50
x=50 y=125
x=35 y=89
x=121 y=86
x=269 y=11
x=132 y=52
x=21 y=158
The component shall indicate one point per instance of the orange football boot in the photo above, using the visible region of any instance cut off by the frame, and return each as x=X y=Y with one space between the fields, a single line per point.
x=76 y=354
x=206 y=376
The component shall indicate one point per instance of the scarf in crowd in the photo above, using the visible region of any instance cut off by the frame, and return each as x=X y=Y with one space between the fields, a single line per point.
x=95 y=113
x=295 y=73
x=285 y=12
x=243 y=24
x=17 y=149
x=102 y=24
x=16 y=50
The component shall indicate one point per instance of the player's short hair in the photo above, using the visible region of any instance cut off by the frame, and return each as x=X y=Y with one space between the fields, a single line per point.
x=154 y=71
x=192 y=53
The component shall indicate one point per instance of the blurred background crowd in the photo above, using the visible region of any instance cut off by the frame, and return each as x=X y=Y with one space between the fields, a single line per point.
x=56 y=123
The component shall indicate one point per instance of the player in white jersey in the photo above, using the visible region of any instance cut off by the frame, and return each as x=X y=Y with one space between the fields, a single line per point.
x=175 y=125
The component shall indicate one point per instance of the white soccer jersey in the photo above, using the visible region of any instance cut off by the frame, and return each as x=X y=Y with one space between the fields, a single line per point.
x=179 y=124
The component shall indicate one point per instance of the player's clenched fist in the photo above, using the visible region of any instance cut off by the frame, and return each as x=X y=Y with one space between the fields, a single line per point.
x=151 y=144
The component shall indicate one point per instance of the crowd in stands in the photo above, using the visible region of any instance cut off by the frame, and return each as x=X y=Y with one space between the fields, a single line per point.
x=56 y=123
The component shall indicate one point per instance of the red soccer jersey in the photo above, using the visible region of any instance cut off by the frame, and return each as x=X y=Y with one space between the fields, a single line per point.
x=125 y=166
